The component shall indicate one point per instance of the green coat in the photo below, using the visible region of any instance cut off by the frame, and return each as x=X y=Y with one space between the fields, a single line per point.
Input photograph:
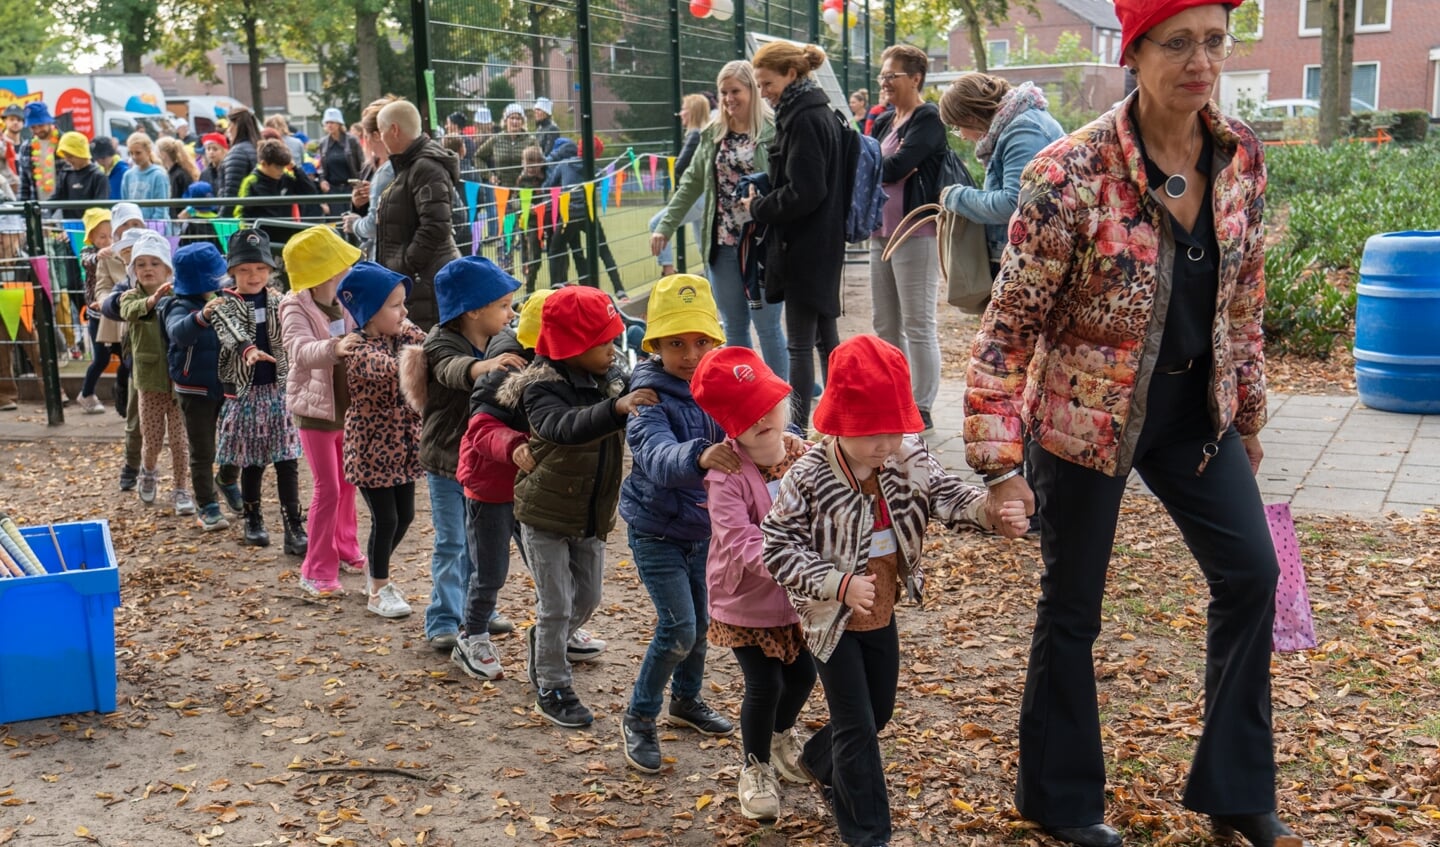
x=700 y=177
x=147 y=340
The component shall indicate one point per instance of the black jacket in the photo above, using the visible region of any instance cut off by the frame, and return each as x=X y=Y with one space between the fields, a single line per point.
x=812 y=173
x=237 y=164
x=921 y=154
x=88 y=183
x=414 y=231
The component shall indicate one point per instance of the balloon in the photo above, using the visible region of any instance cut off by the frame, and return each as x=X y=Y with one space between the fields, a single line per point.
x=832 y=19
x=832 y=4
x=721 y=10
x=700 y=8
x=854 y=15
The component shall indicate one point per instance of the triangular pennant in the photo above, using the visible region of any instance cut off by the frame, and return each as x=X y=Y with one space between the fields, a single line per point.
x=477 y=234
x=605 y=194
x=11 y=299
x=670 y=166
x=525 y=196
x=590 y=201
x=508 y=225
x=654 y=163
x=472 y=197
x=77 y=240
x=41 y=266
x=502 y=199
x=619 y=186
x=224 y=228
x=555 y=206
x=565 y=207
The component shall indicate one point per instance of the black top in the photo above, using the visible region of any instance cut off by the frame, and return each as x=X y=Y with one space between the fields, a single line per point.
x=1195 y=276
x=264 y=372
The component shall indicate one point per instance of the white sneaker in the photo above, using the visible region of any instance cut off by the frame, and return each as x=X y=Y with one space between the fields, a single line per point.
x=785 y=750
x=388 y=602
x=759 y=791
x=584 y=647
x=91 y=405
x=476 y=657
x=184 y=503
x=148 y=486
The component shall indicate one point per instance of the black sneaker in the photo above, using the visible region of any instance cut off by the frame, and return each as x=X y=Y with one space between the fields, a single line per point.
x=231 y=493
x=642 y=745
x=928 y=422
x=128 y=478
x=561 y=707
x=695 y=714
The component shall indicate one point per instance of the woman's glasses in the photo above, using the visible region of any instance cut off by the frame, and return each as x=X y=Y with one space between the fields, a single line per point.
x=1180 y=48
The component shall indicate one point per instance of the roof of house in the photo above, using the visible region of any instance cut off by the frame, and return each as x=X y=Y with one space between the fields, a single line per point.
x=1100 y=13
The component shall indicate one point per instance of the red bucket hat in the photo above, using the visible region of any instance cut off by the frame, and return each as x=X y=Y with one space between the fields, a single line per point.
x=734 y=386
x=868 y=391
x=1138 y=17
x=574 y=319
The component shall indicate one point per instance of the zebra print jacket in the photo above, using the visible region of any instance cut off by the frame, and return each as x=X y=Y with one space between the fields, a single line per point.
x=234 y=322
x=818 y=531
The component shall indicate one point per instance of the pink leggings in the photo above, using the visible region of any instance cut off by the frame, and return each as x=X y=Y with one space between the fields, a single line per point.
x=332 y=509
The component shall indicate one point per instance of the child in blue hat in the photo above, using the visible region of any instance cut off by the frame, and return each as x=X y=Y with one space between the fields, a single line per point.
x=199 y=216
x=473 y=296
x=381 y=443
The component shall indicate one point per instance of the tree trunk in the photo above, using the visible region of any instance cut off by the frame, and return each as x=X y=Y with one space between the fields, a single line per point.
x=367 y=52
x=976 y=28
x=1347 y=11
x=538 y=63
x=1329 y=72
x=252 y=54
x=133 y=42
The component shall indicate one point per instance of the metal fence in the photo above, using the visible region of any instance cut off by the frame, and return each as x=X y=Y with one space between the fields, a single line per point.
x=616 y=71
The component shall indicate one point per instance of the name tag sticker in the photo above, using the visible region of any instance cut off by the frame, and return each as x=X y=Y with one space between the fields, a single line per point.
x=882 y=543
x=259 y=315
x=337 y=328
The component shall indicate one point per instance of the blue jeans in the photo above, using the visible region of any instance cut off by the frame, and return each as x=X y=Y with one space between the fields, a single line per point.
x=674 y=574
x=692 y=217
x=736 y=314
x=449 y=560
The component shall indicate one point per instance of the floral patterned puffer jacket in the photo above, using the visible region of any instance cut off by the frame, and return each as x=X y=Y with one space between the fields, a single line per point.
x=1068 y=344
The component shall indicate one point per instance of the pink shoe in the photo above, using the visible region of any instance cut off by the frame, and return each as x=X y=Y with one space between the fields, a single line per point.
x=321 y=588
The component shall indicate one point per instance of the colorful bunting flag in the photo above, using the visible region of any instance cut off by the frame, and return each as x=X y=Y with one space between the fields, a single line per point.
x=472 y=197
x=41 y=266
x=590 y=201
x=565 y=207
x=502 y=199
x=654 y=163
x=525 y=195
x=555 y=206
x=12 y=300
x=670 y=165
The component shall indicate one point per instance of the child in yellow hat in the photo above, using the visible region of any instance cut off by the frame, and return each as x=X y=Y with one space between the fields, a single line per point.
x=97 y=237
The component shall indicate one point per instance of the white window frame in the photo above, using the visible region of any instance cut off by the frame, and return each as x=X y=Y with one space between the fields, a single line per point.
x=264 y=78
x=1305 y=72
x=1435 y=82
x=990 y=52
x=1360 y=29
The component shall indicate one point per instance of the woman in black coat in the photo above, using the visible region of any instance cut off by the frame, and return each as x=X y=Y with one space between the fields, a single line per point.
x=812 y=171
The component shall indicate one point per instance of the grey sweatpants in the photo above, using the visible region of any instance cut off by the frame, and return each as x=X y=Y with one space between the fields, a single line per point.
x=905 y=292
x=567 y=573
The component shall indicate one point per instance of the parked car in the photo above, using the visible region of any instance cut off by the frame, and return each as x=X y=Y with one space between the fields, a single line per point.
x=1298 y=107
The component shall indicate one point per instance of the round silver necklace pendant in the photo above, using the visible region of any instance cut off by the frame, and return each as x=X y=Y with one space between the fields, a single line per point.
x=1175 y=186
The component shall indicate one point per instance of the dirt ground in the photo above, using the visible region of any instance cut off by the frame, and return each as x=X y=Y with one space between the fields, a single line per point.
x=249 y=716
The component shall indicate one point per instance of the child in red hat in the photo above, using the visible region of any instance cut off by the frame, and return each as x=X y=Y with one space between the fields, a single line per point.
x=566 y=505
x=749 y=611
x=846 y=534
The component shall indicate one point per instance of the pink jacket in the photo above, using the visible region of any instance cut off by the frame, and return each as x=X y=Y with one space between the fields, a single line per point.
x=742 y=592
x=310 y=387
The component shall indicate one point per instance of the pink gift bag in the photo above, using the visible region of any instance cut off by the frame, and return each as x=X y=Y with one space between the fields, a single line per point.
x=1294 y=627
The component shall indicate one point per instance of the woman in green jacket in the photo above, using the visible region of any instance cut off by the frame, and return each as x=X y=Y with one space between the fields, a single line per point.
x=733 y=146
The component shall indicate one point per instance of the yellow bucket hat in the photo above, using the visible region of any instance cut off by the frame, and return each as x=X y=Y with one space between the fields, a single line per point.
x=681 y=303
x=92 y=219
x=74 y=144
x=315 y=255
x=528 y=330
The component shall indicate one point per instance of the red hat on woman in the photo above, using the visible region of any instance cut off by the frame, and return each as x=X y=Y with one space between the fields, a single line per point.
x=1138 y=17
x=734 y=386
x=868 y=391
x=575 y=319
x=215 y=138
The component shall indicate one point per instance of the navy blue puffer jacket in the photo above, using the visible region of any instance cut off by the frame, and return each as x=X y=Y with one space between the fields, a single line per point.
x=193 y=349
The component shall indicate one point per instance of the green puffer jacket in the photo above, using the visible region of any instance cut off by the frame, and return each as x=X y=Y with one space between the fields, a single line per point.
x=578 y=440
x=700 y=177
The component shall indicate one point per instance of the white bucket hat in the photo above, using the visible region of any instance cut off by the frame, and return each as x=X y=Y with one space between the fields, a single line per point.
x=124 y=213
x=544 y=105
x=482 y=116
x=332 y=114
x=149 y=243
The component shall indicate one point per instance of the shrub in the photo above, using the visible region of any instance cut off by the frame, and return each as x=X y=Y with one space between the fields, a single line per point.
x=1411 y=125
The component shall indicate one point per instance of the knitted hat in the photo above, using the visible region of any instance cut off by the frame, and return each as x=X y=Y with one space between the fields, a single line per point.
x=470 y=282
x=332 y=115
x=1138 y=17
x=482 y=116
x=681 y=303
x=92 y=219
x=734 y=386
x=575 y=319
x=215 y=138
x=124 y=213
x=366 y=287
x=150 y=243
x=514 y=109
x=868 y=392
x=527 y=331
x=249 y=245
x=74 y=144
x=199 y=268
x=37 y=114
x=544 y=105
x=316 y=254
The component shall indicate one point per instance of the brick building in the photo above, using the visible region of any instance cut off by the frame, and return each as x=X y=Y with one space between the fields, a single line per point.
x=1094 y=20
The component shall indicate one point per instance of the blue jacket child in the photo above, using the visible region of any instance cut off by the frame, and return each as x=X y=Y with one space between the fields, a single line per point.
x=673 y=445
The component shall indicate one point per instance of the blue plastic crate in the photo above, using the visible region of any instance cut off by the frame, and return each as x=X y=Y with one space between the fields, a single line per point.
x=57 y=631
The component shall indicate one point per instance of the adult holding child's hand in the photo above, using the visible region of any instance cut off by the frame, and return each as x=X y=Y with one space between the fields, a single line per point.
x=1146 y=352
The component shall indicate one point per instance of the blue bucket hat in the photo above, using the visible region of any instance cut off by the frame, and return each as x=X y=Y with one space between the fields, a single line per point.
x=470 y=282
x=37 y=114
x=366 y=288
x=200 y=190
x=199 y=269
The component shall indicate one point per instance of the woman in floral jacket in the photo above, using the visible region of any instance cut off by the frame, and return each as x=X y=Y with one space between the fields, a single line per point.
x=1125 y=333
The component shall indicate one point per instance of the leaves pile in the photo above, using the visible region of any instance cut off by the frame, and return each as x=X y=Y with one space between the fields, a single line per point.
x=250 y=717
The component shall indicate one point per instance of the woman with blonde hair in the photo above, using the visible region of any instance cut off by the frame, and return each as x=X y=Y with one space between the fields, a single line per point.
x=146 y=179
x=733 y=145
x=811 y=172
x=179 y=166
x=694 y=113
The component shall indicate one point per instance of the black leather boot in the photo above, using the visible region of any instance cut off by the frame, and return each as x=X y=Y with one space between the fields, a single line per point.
x=255 y=534
x=1095 y=835
x=1263 y=830
x=296 y=541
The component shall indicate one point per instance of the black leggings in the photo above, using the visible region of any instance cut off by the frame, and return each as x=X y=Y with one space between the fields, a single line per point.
x=806 y=330
x=774 y=695
x=287 y=482
x=391 y=511
x=103 y=352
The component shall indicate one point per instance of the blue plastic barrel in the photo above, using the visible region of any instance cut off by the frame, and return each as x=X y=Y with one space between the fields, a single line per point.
x=1397 y=323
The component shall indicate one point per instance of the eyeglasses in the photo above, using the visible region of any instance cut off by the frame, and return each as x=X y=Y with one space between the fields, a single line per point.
x=1179 y=49
x=887 y=77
